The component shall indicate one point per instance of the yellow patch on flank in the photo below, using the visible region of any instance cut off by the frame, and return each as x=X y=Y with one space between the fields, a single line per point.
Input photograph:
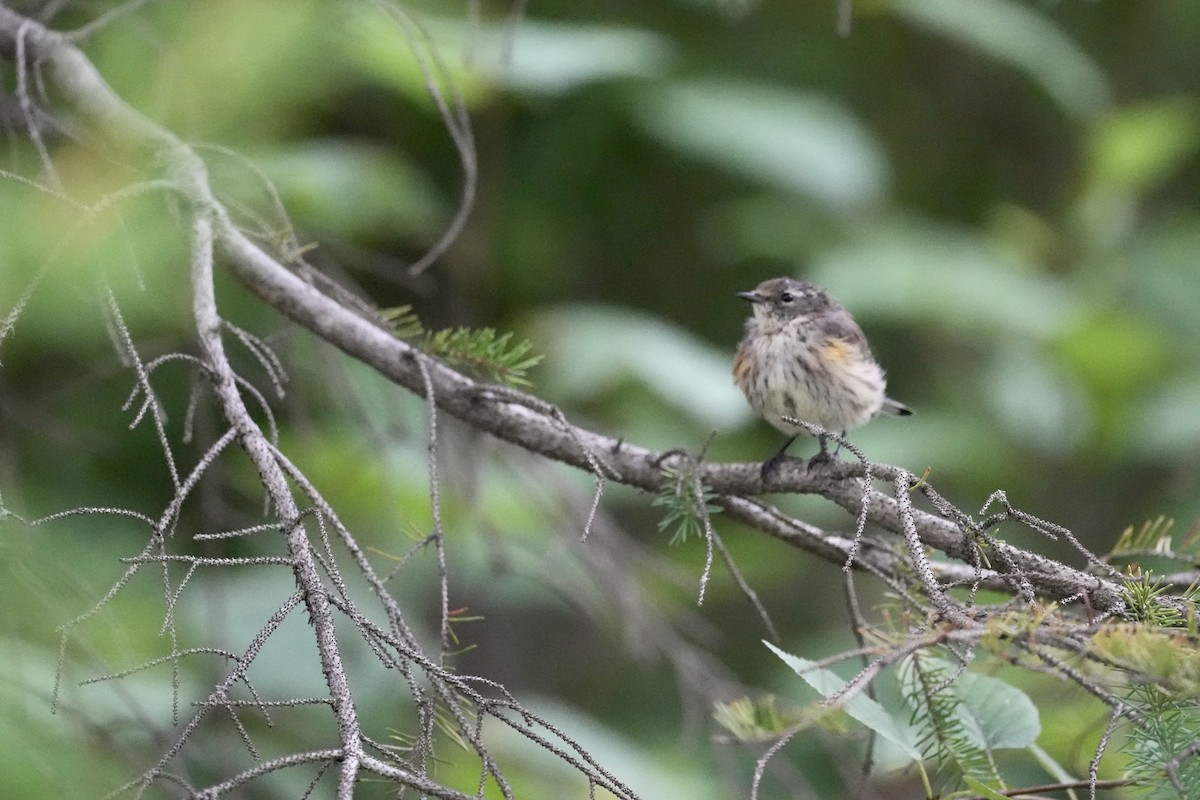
x=838 y=351
x=741 y=366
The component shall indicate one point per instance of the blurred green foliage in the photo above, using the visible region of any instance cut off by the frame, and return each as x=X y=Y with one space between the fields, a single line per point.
x=1006 y=199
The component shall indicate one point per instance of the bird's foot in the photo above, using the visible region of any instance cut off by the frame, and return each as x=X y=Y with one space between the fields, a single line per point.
x=823 y=457
x=773 y=463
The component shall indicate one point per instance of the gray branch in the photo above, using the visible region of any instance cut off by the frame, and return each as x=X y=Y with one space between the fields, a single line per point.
x=524 y=421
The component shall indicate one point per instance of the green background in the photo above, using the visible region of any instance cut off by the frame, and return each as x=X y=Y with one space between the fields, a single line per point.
x=1003 y=193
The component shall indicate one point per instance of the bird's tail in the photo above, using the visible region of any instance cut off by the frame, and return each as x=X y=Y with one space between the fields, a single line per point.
x=896 y=408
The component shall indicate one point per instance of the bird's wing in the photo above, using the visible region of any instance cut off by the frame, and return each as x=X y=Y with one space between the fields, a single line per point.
x=839 y=326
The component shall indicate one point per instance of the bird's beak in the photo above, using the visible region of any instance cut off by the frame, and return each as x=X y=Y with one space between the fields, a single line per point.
x=753 y=297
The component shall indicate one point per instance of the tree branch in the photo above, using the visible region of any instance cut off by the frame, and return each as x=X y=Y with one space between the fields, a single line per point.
x=518 y=418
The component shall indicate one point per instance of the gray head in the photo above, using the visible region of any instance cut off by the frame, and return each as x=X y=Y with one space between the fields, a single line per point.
x=782 y=299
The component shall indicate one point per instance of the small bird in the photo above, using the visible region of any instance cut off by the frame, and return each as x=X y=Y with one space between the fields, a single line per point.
x=804 y=356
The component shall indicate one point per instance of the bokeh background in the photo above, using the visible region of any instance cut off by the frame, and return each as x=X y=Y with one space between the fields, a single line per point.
x=1004 y=193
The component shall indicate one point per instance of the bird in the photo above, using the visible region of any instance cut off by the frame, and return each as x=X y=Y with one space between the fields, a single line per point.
x=803 y=356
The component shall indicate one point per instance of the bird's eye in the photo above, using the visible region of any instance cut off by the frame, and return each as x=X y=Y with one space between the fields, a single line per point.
x=787 y=297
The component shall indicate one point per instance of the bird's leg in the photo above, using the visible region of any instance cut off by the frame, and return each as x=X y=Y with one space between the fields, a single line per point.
x=771 y=463
x=822 y=456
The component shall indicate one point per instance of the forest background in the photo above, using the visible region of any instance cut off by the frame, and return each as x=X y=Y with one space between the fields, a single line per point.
x=1006 y=199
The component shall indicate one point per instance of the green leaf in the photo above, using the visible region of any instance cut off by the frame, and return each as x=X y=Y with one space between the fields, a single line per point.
x=659 y=773
x=1035 y=400
x=913 y=270
x=996 y=714
x=685 y=509
x=982 y=789
x=754 y=720
x=212 y=77
x=1165 y=423
x=484 y=351
x=403 y=321
x=592 y=348
x=1023 y=39
x=317 y=179
x=1116 y=352
x=528 y=55
x=993 y=714
x=860 y=707
x=1139 y=147
x=928 y=685
x=554 y=58
x=1052 y=767
x=801 y=143
x=400 y=55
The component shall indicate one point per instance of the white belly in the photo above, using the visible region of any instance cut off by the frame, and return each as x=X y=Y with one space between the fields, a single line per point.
x=836 y=394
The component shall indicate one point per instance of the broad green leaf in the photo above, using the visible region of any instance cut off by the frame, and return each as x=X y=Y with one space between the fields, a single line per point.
x=860 y=707
x=1037 y=402
x=801 y=143
x=1162 y=256
x=982 y=789
x=997 y=714
x=994 y=714
x=1166 y=424
x=1115 y=352
x=527 y=56
x=1052 y=767
x=316 y=180
x=553 y=58
x=592 y=348
x=733 y=9
x=42 y=756
x=1022 y=38
x=241 y=68
x=407 y=57
x=650 y=772
x=917 y=272
x=1140 y=146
